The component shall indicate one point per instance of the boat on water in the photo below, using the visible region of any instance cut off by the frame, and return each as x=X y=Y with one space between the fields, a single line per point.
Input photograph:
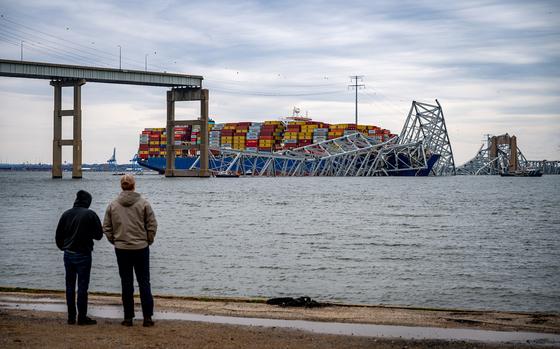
x=523 y=173
x=226 y=174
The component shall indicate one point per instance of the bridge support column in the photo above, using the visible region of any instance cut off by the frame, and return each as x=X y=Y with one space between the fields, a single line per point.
x=513 y=160
x=76 y=141
x=187 y=94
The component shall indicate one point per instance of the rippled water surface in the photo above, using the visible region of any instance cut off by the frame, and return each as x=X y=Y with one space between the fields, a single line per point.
x=469 y=242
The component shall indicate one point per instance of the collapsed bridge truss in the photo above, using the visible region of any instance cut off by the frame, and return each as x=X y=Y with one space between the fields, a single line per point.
x=351 y=155
x=423 y=146
x=500 y=154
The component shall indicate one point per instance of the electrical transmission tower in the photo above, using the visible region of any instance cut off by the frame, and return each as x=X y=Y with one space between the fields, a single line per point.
x=356 y=86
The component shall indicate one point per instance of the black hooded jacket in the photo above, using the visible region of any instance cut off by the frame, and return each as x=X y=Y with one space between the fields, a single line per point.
x=78 y=226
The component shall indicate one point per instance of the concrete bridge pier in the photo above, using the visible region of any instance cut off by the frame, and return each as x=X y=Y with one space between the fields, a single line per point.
x=187 y=94
x=511 y=143
x=76 y=141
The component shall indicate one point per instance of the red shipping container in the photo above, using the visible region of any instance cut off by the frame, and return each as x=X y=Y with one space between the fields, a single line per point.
x=252 y=143
x=144 y=147
x=269 y=137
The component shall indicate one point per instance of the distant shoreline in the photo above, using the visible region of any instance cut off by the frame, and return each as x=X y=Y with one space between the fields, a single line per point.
x=66 y=168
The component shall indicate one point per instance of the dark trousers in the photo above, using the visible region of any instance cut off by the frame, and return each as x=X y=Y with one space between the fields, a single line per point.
x=78 y=266
x=139 y=261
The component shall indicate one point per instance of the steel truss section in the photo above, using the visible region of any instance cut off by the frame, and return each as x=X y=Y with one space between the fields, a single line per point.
x=546 y=167
x=423 y=142
x=425 y=123
x=350 y=155
x=485 y=164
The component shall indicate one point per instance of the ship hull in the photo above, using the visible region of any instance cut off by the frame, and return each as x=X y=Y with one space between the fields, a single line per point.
x=216 y=165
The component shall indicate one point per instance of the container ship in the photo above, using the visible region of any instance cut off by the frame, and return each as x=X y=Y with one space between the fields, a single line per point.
x=264 y=140
x=299 y=146
x=269 y=137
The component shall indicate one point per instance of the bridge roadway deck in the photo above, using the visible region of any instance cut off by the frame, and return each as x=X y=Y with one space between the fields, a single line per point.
x=38 y=70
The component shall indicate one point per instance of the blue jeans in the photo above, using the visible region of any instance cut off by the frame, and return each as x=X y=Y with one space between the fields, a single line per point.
x=135 y=262
x=78 y=266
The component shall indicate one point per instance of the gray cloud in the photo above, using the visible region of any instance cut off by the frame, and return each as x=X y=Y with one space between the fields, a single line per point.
x=494 y=65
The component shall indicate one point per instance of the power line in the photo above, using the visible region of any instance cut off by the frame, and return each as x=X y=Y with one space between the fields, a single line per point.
x=380 y=99
x=356 y=86
x=58 y=42
x=48 y=48
x=270 y=82
x=273 y=94
x=71 y=45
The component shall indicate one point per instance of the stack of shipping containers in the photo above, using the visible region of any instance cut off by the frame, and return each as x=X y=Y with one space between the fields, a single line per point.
x=269 y=136
x=195 y=134
x=291 y=134
x=215 y=136
x=321 y=134
x=239 y=137
x=181 y=135
x=227 y=135
x=253 y=133
x=144 y=147
x=155 y=141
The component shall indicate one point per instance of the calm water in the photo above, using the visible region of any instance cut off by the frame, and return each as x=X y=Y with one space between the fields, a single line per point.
x=470 y=242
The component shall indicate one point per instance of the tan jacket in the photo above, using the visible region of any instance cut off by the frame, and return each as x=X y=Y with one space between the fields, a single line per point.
x=130 y=222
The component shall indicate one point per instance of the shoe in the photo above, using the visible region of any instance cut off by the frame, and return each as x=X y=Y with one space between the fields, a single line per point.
x=71 y=321
x=127 y=322
x=148 y=322
x=86 y=321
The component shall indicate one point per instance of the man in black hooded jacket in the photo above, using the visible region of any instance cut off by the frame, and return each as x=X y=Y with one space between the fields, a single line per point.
x=76 y=230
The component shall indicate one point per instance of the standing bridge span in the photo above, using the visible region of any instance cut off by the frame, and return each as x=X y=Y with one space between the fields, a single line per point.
x=182 y=88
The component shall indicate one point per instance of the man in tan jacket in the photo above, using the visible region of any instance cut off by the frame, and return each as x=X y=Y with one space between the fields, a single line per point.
x=130 y=225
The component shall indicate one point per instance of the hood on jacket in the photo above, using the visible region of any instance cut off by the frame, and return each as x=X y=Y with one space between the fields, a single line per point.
x=83 y=199
x=128 y=198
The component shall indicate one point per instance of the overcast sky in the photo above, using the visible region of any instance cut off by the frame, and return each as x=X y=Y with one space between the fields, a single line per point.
x=493 y=65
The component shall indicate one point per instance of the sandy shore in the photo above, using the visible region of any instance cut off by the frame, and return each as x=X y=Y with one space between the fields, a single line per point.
x=32 y=328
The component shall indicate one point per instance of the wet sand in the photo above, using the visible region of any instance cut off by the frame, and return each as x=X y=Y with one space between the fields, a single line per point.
x=33 y=328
